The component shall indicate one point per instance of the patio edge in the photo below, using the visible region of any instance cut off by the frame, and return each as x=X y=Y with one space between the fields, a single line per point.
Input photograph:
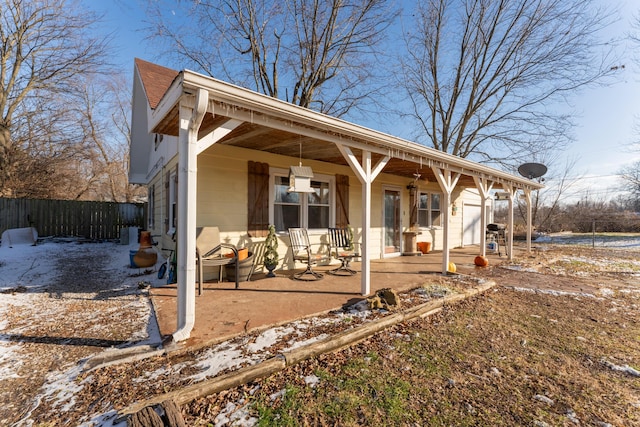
x=284 y=360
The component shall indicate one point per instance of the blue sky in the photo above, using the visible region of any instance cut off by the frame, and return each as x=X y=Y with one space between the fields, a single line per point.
x=605 y=127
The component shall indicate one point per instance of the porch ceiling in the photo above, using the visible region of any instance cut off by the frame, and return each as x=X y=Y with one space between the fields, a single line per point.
x=258 y=137
x=290 y=144
x=274 y=126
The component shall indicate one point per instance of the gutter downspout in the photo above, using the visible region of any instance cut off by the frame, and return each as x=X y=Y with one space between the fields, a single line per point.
x=192 y=111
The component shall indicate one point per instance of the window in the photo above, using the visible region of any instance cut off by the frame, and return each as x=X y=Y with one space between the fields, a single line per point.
x=286 y=206
x=308 y=210
x=157 y=139
x=429 y=210
x=173 y=202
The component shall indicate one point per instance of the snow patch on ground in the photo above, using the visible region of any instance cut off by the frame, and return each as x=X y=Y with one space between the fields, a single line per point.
x=268 y=338
x=554 y=292
x=626 y=369
x=216 y=360
x=36 y=293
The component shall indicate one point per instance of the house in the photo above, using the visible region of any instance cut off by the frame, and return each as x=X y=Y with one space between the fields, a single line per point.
x=214 y=154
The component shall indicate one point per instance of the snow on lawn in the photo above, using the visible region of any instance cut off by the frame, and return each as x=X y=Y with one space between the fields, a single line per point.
x=612 y=240
x=60 y=299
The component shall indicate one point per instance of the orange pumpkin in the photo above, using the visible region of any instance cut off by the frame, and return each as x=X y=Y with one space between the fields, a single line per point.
x=481 y=261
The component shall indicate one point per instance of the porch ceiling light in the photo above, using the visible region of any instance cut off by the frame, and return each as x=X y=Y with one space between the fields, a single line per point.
x=300 y=179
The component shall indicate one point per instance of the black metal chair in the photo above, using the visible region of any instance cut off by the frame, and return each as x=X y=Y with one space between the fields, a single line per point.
x=301 y=249
x=342 y=249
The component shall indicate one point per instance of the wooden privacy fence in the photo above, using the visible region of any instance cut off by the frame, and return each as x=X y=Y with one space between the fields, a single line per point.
x=92 y=220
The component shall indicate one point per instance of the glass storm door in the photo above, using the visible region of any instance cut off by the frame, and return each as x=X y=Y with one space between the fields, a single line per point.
x=391 y=221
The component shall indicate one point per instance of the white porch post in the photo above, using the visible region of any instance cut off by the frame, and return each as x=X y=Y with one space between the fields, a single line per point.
x=365 y=281
x=484 y=187
x=447 y=182
x=512 y=195
x=527 y=196
x=191 y=114
x=366 y=174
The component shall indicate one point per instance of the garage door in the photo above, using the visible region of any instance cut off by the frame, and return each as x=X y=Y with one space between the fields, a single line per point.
x=471 y=224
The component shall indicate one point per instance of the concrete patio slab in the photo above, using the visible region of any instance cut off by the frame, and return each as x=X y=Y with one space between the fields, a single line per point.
x=223 y=311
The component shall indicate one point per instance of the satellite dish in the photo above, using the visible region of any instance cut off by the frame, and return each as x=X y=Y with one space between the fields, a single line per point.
x=532 y=170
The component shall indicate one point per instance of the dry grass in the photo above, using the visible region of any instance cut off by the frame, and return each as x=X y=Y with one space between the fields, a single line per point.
x=509 y=357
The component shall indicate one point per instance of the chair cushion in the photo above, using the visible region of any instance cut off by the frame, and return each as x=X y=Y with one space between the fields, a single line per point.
x=346 y=254
x=242 y=254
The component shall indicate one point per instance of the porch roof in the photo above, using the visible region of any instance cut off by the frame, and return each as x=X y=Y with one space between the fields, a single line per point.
x=271 y=125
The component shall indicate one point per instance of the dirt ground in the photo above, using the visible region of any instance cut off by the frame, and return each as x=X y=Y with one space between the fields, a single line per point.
x=592 y=294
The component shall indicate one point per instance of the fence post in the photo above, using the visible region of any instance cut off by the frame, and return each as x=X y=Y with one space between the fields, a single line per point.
x=593 y=233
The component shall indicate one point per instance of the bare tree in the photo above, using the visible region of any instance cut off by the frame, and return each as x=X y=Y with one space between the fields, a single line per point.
x=103 y=108
x=547 y=204
x=45 y=46
x=630 y=174
x=313 y=53
x=482 y=76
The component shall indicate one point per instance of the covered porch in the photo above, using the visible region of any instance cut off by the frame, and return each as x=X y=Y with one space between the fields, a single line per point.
x=210 y=118
x=223 y=311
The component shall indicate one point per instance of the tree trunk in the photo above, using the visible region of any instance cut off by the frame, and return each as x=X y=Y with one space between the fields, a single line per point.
x=5 y=148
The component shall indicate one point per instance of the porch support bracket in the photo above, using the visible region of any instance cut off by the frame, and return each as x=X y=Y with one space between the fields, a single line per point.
x=447 y=180
x=217 y=134
x=366 y=174
x=192 y=111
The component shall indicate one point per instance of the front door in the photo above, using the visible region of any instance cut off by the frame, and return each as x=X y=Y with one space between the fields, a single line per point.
x=391 y=221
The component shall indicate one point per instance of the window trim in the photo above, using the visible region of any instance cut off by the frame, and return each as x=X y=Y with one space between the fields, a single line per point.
x=304 y=216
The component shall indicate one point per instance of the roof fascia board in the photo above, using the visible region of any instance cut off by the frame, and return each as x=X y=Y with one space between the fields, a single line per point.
x=325 y=127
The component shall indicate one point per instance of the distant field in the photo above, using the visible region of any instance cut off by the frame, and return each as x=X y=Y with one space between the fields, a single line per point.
x=619 y=240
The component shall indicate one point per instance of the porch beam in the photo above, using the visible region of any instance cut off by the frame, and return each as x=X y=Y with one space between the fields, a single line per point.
x=216 y=134
x=192 y=111
x=365 y=174
x=447 y=180
x=400 y=149
x=484 y=187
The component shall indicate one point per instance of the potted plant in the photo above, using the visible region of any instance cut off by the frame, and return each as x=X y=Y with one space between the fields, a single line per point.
x=270 y=259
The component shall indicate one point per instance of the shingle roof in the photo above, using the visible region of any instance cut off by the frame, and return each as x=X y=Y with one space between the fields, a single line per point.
x=156 y=79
